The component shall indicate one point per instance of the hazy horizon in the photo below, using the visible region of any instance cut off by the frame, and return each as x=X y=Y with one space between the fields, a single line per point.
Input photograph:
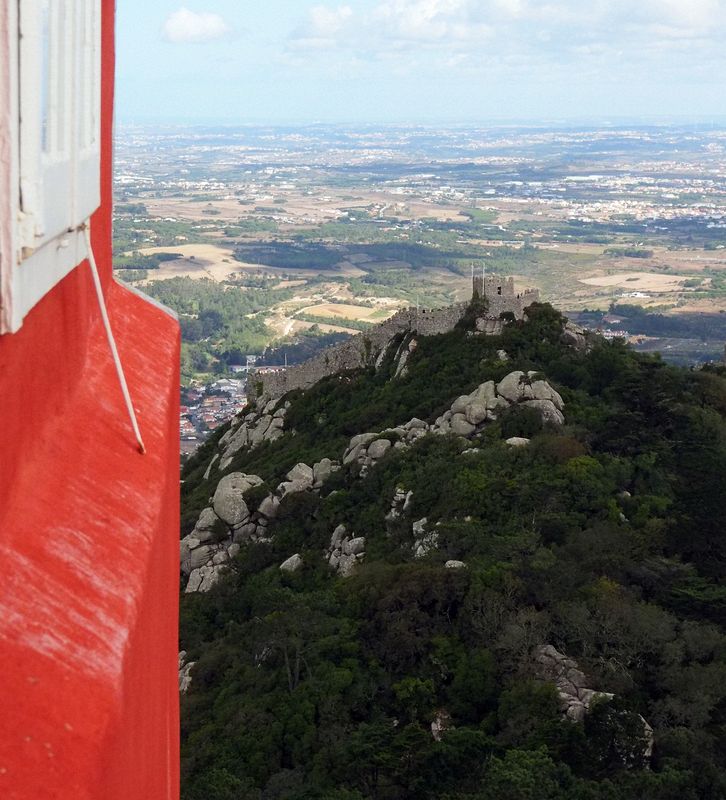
x=420 y=61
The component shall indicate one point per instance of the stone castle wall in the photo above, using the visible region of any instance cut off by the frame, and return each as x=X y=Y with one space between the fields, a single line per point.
x=363 y=350
x=369 y=348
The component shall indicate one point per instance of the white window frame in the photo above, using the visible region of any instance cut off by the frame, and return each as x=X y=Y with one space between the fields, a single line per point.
x=50 y=108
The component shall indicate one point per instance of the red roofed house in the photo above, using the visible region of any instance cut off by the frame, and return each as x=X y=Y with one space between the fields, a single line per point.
x=88 y=524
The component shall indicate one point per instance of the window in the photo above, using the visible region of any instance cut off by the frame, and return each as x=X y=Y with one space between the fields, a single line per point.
x=54 y=90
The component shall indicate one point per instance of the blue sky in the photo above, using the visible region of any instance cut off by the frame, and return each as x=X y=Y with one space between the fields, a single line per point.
x=437 y=61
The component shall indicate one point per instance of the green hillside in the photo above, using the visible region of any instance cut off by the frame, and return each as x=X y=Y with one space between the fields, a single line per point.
x=602 y=538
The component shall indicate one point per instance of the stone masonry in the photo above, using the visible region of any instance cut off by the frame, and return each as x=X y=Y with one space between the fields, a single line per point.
x=369 y=348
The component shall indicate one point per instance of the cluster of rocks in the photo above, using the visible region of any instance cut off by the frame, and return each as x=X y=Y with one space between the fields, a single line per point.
x=572 y=685
x=302 y=477
x=366 y=449
x=222 y=528
x=573 y=689
x=345 y=551
x=466 y=417
x=469 y=413
x=424 y=541
x=400 y=504
x=229 y=521
x=250 y=430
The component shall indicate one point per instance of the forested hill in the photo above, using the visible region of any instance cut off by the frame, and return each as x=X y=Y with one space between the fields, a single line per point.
x=478 y=600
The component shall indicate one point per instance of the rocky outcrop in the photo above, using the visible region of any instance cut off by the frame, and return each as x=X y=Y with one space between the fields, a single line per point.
x=575 y=336
x=222 y=527
x=467 y=417
x=293 y=564
x=185 y=670
x=345 y=551
x=424 y=540
x=250 y=430
x=230 y=521
x=455 y=565
x=400 y=504
x=575 y=694
x=572 y=685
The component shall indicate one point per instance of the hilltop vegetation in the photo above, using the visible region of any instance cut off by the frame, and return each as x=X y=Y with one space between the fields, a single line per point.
x=603 y=537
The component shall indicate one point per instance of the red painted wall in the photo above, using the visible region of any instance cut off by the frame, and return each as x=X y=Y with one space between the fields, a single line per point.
x=89 y=537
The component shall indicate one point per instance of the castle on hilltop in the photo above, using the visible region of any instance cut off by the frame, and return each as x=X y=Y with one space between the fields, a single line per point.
x=368 y=349
x=500 y=295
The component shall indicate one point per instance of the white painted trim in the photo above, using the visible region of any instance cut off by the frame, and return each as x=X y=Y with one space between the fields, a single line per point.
x=9 y=159
x=46 y=195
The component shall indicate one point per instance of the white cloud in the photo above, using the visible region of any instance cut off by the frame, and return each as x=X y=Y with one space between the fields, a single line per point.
x=536 y=35
x=189 y=26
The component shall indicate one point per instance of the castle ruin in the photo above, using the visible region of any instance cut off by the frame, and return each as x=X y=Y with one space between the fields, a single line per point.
x=369 y=348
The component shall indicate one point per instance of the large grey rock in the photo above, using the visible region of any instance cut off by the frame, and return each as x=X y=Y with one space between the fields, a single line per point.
x=207 y=520
x=194 y=582
x=461 y=426
x=485 y=393
x=574 y=336
x=517 y=441
x=239 y=439
x=336 y=540
x=416 y=424
x=459 y=405
x=511 y=387
x=210 y=577
x=301 y=473
x=347 y=565
x=548 y=411
x=354 y=547
x=476 y=412
x=269 y=507
x=362 y=438
x=293 y=564
x=353 y=454
x=228 y=502
x=201 y=555
x=455 y=565
x=541 y=390
x=257 y=436
x=244 y=533
x=321 y=472
x=378 y=448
